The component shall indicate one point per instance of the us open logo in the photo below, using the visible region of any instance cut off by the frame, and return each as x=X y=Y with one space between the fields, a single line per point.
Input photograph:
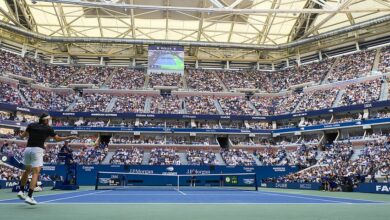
x=249 y=181
x=170 y=169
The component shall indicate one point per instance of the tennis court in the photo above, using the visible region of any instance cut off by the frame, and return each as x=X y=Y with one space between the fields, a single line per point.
x=190 y=203
x=147 y=195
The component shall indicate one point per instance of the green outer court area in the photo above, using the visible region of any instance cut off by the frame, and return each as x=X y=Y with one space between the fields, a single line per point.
x=200 y=211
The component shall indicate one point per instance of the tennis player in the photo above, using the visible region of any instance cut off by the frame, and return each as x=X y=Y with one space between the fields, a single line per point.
x=33 y=154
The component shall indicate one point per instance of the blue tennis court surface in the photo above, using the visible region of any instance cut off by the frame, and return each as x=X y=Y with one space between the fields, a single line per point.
x=186 y=197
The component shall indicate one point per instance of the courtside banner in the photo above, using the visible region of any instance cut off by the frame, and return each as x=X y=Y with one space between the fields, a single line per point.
x=305 y=186
x=5 y=184
x=382 y=188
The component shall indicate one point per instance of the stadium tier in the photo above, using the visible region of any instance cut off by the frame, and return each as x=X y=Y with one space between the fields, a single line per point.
x=201 y=109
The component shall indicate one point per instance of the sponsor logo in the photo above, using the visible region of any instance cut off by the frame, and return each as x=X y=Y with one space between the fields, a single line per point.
x=68 y=113
x=195 y=171
x=145 y=115
x=332 y=126
x=225 y=117
x=299 y=115
x=83 y=128
x=249 y=169
x=141 y=171
x=104 y=180
x=281 y=185
x=369 y=105
x=279 y=169
x=22 y=109
x=104 y=114
x=380 y=188
x=11 y=184
x=127 y=129
x=49 y=168
x=257 y=117
x=249 y=181
x=305 y=186
x=170 y=169
x=88 y=168
x=189 y=116
x=114 y=165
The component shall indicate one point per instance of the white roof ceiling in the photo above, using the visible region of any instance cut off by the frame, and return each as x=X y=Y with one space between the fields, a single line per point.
x=56 y=19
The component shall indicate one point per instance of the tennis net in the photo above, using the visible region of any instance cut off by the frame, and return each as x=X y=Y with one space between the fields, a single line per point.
x=139 y=181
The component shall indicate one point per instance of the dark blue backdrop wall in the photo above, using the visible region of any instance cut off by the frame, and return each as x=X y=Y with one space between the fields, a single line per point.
x=87 y=173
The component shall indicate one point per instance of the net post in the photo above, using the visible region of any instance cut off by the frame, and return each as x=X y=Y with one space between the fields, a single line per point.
x=97 y=180
x=178 y=182
x=256 y=185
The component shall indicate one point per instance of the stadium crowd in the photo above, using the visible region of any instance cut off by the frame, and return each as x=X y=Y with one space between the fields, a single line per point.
x=200 y=80
x=235 y=106
x=201 y=157
x=125 y=78
x=384 y=62
x=129 y=103
x=166 y=104
x=336 y=168
x=353 y=66
x=48 y=100
x=165 y=79
x=10 y=173
x=316 y=100
x=90 y=75
x=131 y=156
x=164 y=156
x=361 y=93
x=236 y=79
x=90 y=155
x=92 y=102
x=200 y=105
x=237 y=157
x=9 y=94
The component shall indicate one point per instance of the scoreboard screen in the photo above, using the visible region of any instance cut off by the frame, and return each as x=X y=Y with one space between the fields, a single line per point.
x=114 y=182
x=231 y=180
x=165 y=59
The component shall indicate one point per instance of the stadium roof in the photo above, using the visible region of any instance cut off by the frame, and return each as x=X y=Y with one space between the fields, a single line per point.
x=228 y=21
x=101 y=27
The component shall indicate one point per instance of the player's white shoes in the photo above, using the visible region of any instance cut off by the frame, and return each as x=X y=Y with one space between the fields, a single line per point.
x=22 y=195
x=30 y=200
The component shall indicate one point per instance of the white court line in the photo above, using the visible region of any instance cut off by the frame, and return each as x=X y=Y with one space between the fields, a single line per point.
x=181 y=192
x=199 y=203
x=302 y=197
x=201 y=194
x=331 y=197
x=54 y=194
x=71 y=197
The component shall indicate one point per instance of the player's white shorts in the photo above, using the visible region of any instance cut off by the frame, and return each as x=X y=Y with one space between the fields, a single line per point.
x=33 y=156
